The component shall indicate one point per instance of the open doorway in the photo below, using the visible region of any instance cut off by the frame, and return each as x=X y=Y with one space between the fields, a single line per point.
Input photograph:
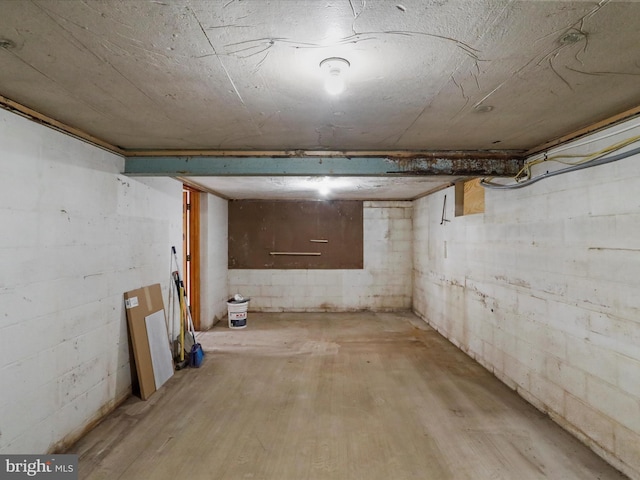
x=191 y=249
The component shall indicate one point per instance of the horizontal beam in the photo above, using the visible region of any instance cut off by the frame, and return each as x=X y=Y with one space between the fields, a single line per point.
x=330 y=153
x=37 y=117
x=180 y=166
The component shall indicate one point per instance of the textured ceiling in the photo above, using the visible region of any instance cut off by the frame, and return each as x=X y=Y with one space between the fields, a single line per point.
x=321 y=188
x=244 y=74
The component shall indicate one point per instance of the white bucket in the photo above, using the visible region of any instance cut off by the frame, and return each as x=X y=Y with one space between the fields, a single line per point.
x=237 y=313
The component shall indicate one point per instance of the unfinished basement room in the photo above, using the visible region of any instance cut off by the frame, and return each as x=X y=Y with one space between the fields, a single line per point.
x=320 y=239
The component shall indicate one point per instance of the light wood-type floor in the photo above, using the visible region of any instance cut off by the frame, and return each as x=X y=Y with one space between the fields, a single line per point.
x=333 y=396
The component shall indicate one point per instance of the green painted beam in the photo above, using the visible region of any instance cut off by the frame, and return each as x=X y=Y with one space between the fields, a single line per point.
x=179 y=166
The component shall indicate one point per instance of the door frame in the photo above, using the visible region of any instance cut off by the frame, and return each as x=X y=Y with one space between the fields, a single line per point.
x=191 y=249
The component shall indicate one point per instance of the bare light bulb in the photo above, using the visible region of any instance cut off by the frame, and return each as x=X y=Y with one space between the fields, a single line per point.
x=334 y=70
x=324 y=186
x=334 y=83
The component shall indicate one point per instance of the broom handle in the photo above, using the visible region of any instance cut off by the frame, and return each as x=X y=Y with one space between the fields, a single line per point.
x=188 y=317
x=182 y=307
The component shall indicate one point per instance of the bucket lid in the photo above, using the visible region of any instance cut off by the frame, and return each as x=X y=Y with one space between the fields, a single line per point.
x=233 y=301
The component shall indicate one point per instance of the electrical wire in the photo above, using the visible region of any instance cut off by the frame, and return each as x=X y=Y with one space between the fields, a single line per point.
x=524 y=177
x=573 y=168
x=594 y=137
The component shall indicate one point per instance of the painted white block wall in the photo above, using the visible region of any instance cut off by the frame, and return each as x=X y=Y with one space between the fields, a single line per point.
x=75 y=236
x=214 y=259
x=385 y=282
x=542 y=289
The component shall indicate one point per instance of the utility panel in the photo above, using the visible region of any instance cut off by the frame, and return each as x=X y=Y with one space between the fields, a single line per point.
x=295 y=234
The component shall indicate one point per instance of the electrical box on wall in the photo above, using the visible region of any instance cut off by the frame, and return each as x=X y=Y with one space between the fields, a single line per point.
x=469 y=197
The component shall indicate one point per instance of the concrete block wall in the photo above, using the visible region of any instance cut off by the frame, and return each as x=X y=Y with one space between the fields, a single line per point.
x=75 y=236
x=385 y=283
x=214 y=259
x=542 y=289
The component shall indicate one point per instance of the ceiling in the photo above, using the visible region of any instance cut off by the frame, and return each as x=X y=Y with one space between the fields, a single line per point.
x=314 y=187
x=244 y=75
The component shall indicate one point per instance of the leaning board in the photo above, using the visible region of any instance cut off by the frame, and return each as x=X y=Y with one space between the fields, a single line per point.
x=159 y=347
x=140 y=304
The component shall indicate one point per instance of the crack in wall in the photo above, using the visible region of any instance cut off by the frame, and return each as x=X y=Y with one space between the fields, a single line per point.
x=215 y=54
x=547 y=57
x=604 y=72
x=464 y=95
x=550 y=58
x=553 y=69
x=596 y=9
x=468 y=50
x=215 y=27
x=268 y=42
x=264 y=44
x=415 y=120
x=135 y=43
x=476 y=74
x=226 y=72
x=363 y=4
x=259 y=64
x=81 y=46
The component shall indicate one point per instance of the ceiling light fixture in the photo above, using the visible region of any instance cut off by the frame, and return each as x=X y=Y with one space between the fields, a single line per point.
x=334 y=69
x=483 y=108
x=573 y=37
x=7 y=44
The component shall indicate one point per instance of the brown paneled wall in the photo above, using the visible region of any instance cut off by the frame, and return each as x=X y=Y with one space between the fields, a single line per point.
x=295 y=234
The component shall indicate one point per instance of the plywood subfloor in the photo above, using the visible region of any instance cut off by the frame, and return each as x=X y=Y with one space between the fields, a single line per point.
x=333 y=396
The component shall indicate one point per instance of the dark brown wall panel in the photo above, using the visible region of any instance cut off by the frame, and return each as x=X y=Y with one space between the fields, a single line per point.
x=269 y=234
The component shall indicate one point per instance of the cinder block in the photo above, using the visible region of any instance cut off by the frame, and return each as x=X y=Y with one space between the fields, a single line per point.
x=280 y=277
x=581 y=232
x=239 y=277
x=23 y=376
x=532 y=356
x=613 y=333
x=613 y=402
x=628 y=379
x=335 y=290
x=395 y=213
x=373 y=214
x=270 y=291
x=595 y=425
x=613 y=265
x=78 y=257
x=615 y=196
x=552 y=341
x=302 y=302
x=258 y=277
x=30 y=410
x=12 y=350
x=627 y=448
x=320 y=277
x=493 y=358
x=25 y=442
x=517 y=372
x=80 y=379
x=548 y=393
x=567 y=318
x=623 y=234
x=591 y=359
x=567 y=377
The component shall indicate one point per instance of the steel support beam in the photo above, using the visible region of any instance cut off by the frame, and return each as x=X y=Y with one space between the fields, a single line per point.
x=179 y=166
